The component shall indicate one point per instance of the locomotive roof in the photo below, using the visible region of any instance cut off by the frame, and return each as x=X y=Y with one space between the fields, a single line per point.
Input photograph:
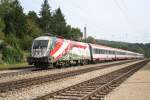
x=42 y=38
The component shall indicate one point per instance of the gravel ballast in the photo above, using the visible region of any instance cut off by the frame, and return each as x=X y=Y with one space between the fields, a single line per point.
x=39 y=90
x=48 y=72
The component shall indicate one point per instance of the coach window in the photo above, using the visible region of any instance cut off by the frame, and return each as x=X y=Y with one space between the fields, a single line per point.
x=103 y=52
x=95 y=51
x=106 y=51
x=110 y=52
x=113 y=52
x=98 y=51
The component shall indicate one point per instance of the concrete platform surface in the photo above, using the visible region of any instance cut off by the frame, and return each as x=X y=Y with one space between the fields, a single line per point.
x=136 y=87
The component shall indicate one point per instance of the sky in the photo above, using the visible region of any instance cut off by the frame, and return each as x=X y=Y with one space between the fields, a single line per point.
x=114 y=20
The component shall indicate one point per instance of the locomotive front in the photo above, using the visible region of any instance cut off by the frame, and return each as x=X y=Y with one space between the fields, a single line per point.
x=40 y=51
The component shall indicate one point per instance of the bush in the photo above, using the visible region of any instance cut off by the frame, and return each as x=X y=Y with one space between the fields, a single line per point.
x=11 y=40
x=12 y=55
x=25 y=43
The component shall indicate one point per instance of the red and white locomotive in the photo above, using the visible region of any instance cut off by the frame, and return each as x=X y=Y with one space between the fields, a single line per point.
x=58 y=51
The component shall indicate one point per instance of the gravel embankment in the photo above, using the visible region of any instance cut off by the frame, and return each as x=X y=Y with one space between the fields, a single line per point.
x=48 y=72
x=39 y=90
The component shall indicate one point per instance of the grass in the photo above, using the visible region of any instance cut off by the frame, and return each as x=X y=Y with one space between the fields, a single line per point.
x=13 y=66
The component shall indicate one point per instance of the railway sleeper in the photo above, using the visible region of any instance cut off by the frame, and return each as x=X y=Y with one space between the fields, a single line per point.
x=70 y=94
x=77 y=92
x=74 y=91
x=98 y=95
x=89 y=86
x=96 y=98
x=84 y=89
x=66 y=98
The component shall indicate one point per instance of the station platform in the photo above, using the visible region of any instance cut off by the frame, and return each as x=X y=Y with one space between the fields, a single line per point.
x=136 y=87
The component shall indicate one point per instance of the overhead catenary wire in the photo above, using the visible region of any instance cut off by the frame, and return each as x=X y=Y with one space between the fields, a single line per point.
x=82 y=15
x=123 y=10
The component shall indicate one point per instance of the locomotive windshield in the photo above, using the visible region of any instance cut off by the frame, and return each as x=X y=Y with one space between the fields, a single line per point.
x=40 y=44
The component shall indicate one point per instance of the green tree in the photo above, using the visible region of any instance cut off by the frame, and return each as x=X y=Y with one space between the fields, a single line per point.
x=4 y=4
x=2 y=26
x=90 y=39
x=68 y=34
x=4 y=7
x=59 y=23
x=76 y=34
x=33 y=28
x=15 y=20
x=33 y=16
x=45 y=17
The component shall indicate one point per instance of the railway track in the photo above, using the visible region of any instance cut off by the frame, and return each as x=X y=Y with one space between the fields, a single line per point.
x=32 y=70
x=23 y=83
x=18 y=72
x=97 y=88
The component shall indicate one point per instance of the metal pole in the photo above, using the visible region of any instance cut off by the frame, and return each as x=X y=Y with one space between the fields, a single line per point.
x=85 y=34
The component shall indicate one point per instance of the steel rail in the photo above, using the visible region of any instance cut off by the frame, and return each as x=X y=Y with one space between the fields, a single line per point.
x=97 y=88
x=23 y=83
x=29 y=71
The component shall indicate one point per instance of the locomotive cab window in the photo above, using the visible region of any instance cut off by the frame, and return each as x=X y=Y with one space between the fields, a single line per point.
x=40 y=44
